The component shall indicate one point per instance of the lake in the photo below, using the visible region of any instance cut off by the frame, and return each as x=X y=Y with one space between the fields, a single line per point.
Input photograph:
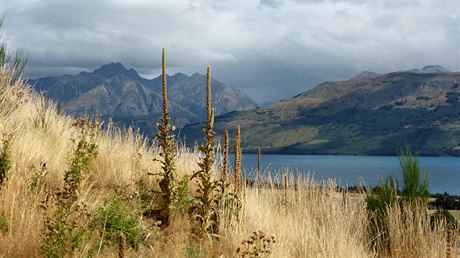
x=351 y=170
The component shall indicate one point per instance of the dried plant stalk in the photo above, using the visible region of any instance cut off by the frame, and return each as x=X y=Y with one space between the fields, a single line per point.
x=168 y=153
x=258 y=168
x=226 y=145
x=206 y=210
x=238 y=160
x=449 y=242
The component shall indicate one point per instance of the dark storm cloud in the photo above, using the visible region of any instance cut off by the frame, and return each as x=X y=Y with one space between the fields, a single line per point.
x=270 y=49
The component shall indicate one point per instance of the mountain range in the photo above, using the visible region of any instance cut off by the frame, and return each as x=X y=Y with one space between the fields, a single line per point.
x=123 y=96
x=370 y=114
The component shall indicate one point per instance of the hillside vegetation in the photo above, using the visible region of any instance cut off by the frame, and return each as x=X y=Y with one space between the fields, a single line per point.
x=70 y=189
x=371 y=114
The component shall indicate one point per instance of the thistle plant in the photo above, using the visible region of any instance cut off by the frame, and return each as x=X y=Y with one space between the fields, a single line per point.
x=206 y=206
x=168 y=153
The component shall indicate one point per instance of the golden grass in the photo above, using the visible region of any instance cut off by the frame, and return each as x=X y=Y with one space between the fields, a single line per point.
x=307 y=220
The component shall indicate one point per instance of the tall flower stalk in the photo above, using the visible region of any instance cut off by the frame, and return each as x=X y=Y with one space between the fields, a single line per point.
x=168 y=153
x=238 y=183
x=207 y=208
x=225 y=169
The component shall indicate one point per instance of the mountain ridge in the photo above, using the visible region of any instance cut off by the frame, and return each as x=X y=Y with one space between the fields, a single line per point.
x=123 y=96
x=367 y=116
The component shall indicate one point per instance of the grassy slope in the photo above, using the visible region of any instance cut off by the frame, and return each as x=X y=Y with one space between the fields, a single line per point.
x=356 y=118
x=310 y=221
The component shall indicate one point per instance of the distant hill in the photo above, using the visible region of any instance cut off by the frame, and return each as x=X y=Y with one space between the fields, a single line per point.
x=117 y=93
x=365 y=74
x=367 y=115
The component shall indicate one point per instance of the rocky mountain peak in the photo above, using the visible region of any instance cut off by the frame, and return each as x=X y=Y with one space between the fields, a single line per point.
x=122 y=95
x=113 y=69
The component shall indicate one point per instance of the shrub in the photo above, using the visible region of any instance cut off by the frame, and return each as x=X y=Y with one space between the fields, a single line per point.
x=383 y=195
x=61 y=234
x=120 y=221
x=415 y=185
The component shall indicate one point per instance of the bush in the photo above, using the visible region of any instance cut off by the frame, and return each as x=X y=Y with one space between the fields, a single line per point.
x=415 y=185
x=383 y=195
x=119 y=221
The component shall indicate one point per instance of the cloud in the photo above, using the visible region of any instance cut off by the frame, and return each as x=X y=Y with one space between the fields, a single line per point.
x=272 y=3
x=270 y=49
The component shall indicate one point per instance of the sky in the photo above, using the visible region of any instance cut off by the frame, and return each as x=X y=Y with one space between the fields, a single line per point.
x=269 y=49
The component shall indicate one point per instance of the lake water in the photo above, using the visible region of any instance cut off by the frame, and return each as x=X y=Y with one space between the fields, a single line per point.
x=351 y=170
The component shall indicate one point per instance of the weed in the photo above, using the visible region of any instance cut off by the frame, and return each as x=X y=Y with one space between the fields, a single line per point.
x=119 y=221
x=206 y=200
x=36 y=183
x=61 y=234
x=258 y=168
x=66 y=231
x=182 y=193
x=225 y=169
x=168 y=153
x=258 y=245
x=238 y=153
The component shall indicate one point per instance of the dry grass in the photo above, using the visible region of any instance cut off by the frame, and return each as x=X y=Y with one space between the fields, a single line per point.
x=412 y=235
x=308 y=220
